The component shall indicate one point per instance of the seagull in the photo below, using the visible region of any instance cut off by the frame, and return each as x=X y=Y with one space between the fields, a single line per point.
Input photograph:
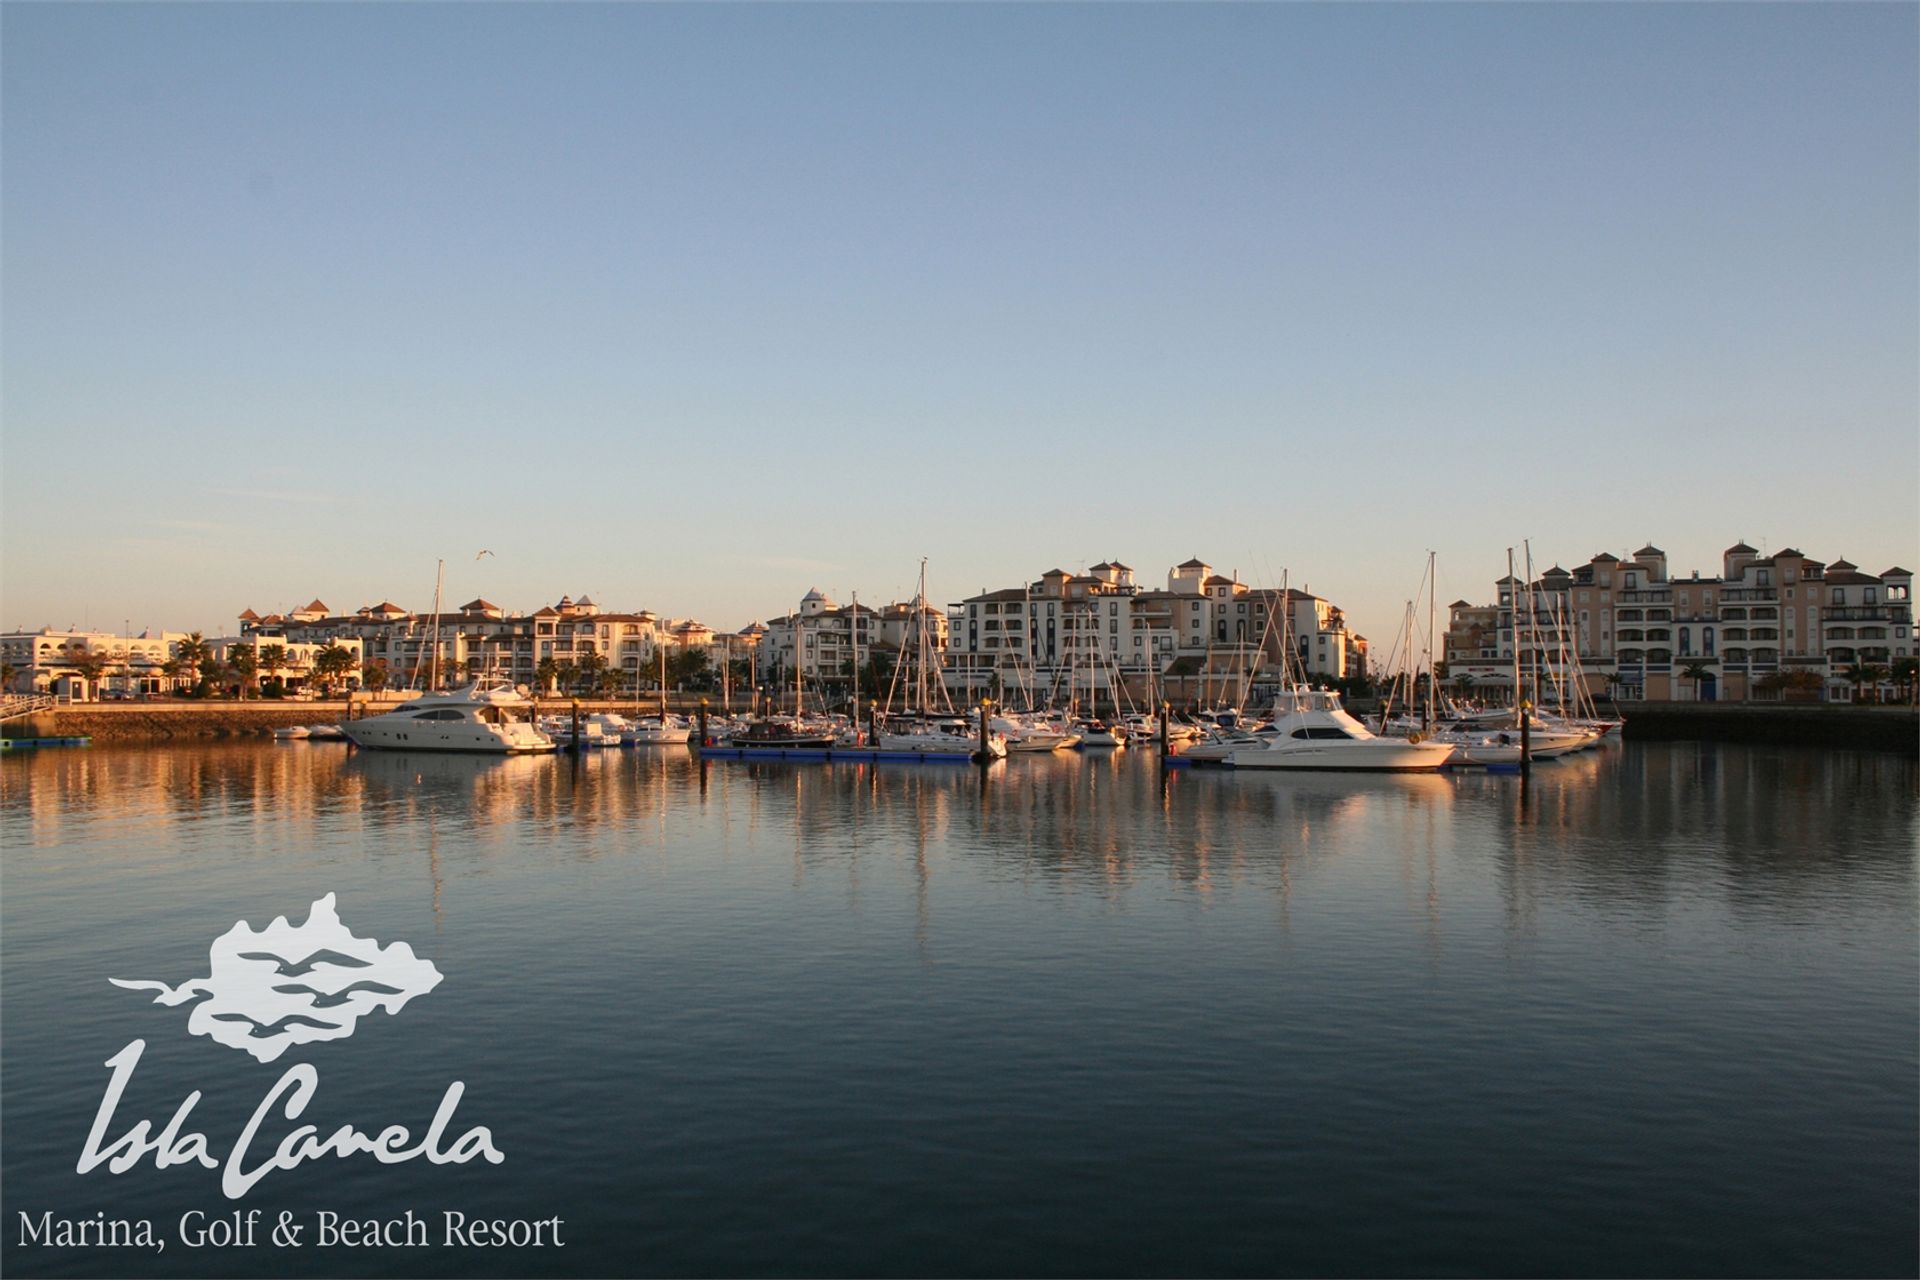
x=483 y=553
x=286 y=968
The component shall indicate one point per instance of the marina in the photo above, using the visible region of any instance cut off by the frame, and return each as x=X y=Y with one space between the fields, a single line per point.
x=1133 y=1020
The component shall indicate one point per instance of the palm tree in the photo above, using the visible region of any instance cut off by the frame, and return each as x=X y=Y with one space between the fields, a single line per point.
x=1906 y=674
x=1696 y=672
x=566 y=672
x=89 y=665
x=211 y=671
x=7 y=672
x=1875 y=676
x=547 y=672
x=192 y=653
x=1858 y=675
x=332 y=664
x=273 y=660
x=373 y=676
x=245 y=661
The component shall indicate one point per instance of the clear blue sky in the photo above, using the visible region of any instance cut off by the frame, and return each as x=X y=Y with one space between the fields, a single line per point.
x=694 y=307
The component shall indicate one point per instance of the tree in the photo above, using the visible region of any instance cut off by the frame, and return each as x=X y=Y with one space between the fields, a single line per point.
x=211 y=672
x=330 y=665
x=1874 y=675
x=567 y=673
x=273 y=660
x=89 y=665
x=687 y=666
x=588 y=668
x=191 y=653
x=1696 y=672
x=373 y=675
x=547 y=673
x=244 y=659
x=7 y=672
x=1906 y=675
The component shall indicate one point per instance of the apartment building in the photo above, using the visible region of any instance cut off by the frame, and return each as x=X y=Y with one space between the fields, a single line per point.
x=1765 y=626
x=1101 y=630
x=50 y=661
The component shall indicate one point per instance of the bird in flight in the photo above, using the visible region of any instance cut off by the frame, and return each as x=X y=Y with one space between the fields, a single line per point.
x=483 y=553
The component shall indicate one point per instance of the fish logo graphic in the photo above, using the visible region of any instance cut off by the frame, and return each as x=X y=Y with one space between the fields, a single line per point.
x=269 y=989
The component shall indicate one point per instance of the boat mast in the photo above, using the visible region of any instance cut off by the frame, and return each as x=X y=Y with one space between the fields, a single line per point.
x=920 y=632
x=854 y=632
x=433 y=662
x=1513 y=622
x=1433 y=677
x=659 y=649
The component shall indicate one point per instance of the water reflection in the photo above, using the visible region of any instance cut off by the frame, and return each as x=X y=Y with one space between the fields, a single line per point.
x=1630 y=824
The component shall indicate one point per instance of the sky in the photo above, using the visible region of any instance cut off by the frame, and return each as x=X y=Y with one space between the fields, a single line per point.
x=694 y=307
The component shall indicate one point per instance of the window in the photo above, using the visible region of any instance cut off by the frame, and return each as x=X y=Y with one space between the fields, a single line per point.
x=1869 y=596
x=1706 y=641
x=1839 y=595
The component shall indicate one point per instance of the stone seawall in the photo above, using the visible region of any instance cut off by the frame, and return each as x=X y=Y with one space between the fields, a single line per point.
x=172 y=721
x=165 y=721
x=1893 y=729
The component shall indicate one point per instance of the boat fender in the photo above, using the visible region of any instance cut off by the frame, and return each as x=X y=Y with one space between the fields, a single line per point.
x=1415 y=736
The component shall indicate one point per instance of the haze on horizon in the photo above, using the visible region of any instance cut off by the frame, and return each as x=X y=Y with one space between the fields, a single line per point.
x=692 y=308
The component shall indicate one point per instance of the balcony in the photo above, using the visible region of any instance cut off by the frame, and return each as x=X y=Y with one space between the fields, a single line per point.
x=1645 y=597
x=1866 y=613
x=1735 y=595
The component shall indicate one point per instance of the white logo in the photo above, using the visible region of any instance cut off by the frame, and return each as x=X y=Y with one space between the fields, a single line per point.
x=283 y=985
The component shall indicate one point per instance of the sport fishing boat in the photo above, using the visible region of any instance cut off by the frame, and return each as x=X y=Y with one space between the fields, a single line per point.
x=494 y=721
x=1312 y=731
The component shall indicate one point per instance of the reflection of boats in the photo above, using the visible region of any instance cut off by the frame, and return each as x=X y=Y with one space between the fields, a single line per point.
x=1312 y=731
x=496 y=721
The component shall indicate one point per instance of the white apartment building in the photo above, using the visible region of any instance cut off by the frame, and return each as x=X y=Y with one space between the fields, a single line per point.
x=48 y=661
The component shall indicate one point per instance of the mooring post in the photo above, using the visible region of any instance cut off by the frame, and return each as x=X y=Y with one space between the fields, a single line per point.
x=1526 y=739
x=576 y=724
x=985 y=720
x=701 y=745
x=1163 y=727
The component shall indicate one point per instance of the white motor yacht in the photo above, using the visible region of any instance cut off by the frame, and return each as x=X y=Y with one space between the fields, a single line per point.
x=1312 y=731
x=942 y=737
x=658 y=731
x=1032 y=732
x=496 y=721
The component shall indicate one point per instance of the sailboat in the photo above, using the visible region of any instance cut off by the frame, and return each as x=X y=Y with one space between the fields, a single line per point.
x=663 y=729
x=919 y=730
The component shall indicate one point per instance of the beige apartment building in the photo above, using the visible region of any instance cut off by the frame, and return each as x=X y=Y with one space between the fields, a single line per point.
x=1204 y=635
x=1766 y=627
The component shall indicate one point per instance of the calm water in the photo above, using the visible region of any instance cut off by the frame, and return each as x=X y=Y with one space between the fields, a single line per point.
x=1079 y=1018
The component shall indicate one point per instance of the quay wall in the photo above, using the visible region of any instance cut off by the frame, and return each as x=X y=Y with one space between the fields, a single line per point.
x=1891 y=729
x=168 y=721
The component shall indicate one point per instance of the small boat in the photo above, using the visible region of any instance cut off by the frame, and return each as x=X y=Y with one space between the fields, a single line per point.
x=326 y=732
x=495 y=721
x=657 y=731
x=292 y=733
x=1098 y=733
x=782 y=732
